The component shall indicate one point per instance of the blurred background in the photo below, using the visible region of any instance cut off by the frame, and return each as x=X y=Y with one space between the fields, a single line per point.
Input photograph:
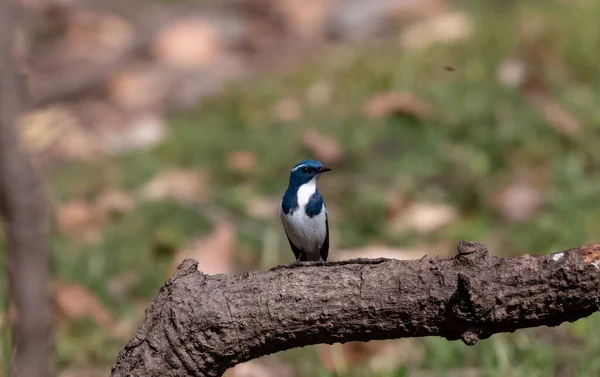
x=166 y=129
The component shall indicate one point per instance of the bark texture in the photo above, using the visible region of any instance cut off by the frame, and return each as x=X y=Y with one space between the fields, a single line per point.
x=22 y=209
x=200 y=325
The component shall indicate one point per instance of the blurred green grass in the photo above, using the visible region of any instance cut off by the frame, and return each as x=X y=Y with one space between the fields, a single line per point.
x=479 y=137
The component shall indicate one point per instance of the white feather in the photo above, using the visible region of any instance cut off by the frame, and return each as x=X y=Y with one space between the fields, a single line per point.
x=305 y=192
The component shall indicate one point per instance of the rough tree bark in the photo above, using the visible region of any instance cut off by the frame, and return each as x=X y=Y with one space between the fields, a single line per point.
x=22 y=208
x=200 y=325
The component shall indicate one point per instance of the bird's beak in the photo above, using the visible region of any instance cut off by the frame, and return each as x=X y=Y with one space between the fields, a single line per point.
x=323 y=169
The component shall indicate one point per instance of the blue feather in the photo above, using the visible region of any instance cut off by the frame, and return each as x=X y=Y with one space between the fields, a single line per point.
x=289 y=203
x=314 y=205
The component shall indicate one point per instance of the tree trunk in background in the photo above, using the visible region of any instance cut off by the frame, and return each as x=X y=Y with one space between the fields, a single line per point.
x=22 y=207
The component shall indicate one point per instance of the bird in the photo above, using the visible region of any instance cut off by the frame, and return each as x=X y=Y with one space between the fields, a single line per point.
x=304 y=214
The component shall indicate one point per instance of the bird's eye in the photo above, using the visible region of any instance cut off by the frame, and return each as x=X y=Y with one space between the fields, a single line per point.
x=305 y=170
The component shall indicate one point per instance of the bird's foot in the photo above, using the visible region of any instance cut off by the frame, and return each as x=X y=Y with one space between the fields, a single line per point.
x=321 y=262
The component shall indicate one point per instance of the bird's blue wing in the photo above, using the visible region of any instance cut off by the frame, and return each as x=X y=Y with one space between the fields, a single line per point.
x=324 y=251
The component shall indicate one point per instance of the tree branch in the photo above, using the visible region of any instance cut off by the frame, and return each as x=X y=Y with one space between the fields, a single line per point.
x=200 y=325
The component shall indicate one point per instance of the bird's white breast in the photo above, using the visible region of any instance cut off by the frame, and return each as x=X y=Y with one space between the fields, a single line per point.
x=305 y=192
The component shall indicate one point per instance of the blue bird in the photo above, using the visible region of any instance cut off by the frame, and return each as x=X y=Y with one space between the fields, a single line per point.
x=304 y=214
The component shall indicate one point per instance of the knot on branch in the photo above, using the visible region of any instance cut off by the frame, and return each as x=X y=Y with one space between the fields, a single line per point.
x=472 y=253
x=188 y=264
x=470 y=247
x=187 y=267
x=469 y=338
x=463 y=306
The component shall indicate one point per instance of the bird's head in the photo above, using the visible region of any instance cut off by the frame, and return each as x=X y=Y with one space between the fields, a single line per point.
x=305 y=171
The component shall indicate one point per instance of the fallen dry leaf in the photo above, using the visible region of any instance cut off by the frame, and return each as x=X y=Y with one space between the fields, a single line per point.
x=325 y=148
x=518 y=201
x=394 y=353
x=139 y=87
x=83 y=221
x=57 y=130
x=422 y=217
x=80 y=221
x=445 y=28
x=512 y=73
x=76 y=302
x=99 y=114
x=306 y=18
x=287 y=110
x=383 y=356
x=262 y=208
x=534 y=28
x=557 y=117
x=338 y=358
x=186 y=186
x=395 y=202
x=396 y=103
x=213 y=252
x=411 y=10
x=267 y=366
x=114 y=203
x=77 y=144
x=242 y=161
x=93 y=35
x=142 y=131
x=42 y=128
x=191 y=43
